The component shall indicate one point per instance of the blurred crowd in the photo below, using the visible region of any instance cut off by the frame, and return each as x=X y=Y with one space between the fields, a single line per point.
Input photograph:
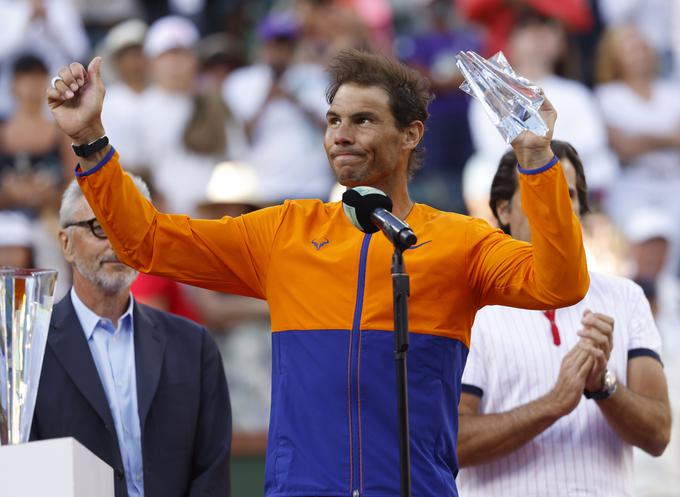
x=220 y=105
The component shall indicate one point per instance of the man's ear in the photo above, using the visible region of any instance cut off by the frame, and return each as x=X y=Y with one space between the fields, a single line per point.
x=503 y=210
x=66 y=245
x=413 y=133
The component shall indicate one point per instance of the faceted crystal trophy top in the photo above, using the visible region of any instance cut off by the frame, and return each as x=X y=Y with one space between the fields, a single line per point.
x=26 y=298
x=510 y=101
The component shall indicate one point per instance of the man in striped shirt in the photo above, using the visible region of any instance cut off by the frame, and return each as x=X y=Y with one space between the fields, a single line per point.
x=553 y=401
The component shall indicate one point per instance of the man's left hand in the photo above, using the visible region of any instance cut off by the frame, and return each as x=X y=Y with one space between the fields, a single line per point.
x=598 y=329
x=533 y=151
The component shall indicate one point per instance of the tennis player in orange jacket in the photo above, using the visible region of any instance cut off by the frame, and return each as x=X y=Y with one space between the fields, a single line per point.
x=333 y=429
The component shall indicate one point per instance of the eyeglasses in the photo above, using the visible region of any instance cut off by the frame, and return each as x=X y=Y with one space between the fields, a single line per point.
x=94 y=226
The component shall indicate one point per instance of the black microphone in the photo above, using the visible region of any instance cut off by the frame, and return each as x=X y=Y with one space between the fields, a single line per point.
x=369 y=209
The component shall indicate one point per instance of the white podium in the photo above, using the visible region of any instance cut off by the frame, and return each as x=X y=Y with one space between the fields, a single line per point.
x=53 y=468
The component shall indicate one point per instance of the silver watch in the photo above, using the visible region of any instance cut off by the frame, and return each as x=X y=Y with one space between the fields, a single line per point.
x=609 y=386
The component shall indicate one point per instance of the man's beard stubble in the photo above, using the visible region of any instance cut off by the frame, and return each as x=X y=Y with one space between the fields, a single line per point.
x=110 y=283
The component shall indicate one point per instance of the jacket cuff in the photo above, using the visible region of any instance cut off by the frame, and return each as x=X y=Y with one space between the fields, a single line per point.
x=81 y=174
x=550 y=164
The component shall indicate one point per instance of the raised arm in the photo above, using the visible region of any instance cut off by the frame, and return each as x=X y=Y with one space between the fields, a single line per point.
x=229 y=255
x=551 y=271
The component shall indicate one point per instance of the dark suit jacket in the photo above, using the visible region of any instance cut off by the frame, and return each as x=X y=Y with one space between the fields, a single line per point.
x=182 y=398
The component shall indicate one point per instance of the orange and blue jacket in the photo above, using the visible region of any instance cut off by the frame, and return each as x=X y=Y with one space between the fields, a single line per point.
x=333 y=428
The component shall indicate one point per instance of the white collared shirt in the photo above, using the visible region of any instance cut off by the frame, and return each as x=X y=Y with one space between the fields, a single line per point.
x=113 y=351
x=513 y=360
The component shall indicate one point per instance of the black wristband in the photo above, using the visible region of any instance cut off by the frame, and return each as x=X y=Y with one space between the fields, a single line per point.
x=90 y=148
x=602 y=394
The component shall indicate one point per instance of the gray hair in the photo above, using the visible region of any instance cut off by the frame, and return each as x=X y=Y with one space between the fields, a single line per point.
x=72 y=196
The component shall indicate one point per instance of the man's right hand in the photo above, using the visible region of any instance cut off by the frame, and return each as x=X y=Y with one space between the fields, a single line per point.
x=574 y=371
x=76 y=102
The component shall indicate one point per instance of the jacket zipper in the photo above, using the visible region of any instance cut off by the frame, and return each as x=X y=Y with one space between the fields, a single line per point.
x=355 y=350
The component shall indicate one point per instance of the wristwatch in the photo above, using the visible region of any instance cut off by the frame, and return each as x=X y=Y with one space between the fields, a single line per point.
x=609 y=385
x=90 y=148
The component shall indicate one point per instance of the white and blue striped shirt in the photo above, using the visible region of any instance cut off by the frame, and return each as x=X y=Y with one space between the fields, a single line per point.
x=514 y=360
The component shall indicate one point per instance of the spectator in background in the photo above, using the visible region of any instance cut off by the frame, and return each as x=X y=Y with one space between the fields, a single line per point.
x=16 y=240
x=100 y=16
x=499 y=16
x=183 y=132
x=282 y=106
x=35 y=159
x=537 y=50
x=219 y=55
x=642 y=114
x=30 y=244
x=655 y=20
x=34 y=153
x=123 y=56
x=376 y=16
x=51 y=29
x=524 y=422
x=207 y=15
x=328 y=27
x=447 y=143
x=652 y=232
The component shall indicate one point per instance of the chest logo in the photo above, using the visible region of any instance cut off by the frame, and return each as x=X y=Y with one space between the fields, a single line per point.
x=320 y=243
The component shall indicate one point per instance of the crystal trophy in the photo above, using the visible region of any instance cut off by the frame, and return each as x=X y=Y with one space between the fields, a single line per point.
x=510 y=101
x=26 y=297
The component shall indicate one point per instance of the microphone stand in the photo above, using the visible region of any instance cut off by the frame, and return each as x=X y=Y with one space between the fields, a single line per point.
x=400 y=287
x=378 y=213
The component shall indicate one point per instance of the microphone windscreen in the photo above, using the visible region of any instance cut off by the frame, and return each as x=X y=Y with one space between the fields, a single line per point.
x=358 y=204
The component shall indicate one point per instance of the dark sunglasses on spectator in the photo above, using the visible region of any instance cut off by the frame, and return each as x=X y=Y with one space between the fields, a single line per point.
x=94 y=226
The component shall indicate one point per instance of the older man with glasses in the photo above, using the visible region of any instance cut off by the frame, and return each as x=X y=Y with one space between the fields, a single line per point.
x=142 y=389
x=93 y=224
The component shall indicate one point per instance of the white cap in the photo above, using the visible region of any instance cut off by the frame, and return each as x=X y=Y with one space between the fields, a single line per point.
x=126 y=34
x=650 y=222
x=233 y=183
x=15 y=230
x=168 y=33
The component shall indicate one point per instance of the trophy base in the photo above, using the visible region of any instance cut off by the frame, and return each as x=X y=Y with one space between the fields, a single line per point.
x=56 y=468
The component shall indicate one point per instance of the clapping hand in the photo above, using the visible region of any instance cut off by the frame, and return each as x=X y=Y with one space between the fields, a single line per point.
x=598 y=331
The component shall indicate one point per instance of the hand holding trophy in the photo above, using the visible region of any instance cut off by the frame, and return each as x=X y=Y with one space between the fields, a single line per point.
x=522 y=114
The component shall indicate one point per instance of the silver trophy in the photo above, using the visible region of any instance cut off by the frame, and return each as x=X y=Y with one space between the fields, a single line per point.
x=510 y=101
x=26 y=297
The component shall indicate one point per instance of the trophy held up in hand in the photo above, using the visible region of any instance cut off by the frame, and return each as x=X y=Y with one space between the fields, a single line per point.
x=510 y=101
